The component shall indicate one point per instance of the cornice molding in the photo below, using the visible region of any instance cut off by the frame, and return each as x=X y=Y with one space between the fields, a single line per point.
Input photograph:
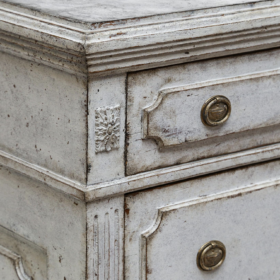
x=140 y=181
x=138 y=44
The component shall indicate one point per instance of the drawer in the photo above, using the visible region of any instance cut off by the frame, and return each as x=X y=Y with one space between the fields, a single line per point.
x=202 y=109
x=166 y=227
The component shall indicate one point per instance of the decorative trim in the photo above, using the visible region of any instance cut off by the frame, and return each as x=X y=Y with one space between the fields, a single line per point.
x=131 y=45
x=163 y=141
x=17 y=263
x=107 y=129
x=181 y=172
x=105 y=228
x=42 y=53
x=140 y=181
x=44 y=175
x=161 y=211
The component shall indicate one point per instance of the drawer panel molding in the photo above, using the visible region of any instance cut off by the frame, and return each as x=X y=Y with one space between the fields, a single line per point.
x=166 y=124
x=147 y=236
x=175 y=116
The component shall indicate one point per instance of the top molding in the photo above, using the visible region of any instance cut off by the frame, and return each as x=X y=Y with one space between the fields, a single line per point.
x=137 y=44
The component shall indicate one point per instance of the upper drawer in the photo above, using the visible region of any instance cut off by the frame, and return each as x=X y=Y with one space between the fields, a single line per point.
x=202 y=109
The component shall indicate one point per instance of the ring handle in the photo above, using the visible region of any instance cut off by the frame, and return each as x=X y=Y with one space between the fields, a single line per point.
x=216 y=110
x=211 y=255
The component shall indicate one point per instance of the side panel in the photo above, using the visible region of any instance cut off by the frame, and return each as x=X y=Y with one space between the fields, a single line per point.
x=47 y=219
x=43 y=116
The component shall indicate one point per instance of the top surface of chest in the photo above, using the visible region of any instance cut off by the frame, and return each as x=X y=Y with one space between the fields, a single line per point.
x=106 y=10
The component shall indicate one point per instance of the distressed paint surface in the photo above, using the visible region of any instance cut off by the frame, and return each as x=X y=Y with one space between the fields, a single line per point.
x=107 y=92
x=139 y=43
x=176 y=220
x=180 y=115
x=47 y=218
x=89 y=62
x=175 y=118
x=43 y=116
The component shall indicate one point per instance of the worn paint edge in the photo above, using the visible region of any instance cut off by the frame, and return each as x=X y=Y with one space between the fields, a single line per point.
x=181 y=172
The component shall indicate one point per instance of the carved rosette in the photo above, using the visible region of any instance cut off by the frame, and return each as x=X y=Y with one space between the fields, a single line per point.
x=107 y=129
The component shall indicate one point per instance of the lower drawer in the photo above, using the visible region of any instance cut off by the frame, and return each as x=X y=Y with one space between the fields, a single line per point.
x=166 y=227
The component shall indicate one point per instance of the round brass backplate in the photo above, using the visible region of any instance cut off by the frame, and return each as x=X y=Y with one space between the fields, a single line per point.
x=211 y=255
x=216 y=110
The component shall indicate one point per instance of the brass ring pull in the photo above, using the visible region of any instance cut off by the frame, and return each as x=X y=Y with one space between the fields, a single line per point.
x=211 y=255
x=216 y=110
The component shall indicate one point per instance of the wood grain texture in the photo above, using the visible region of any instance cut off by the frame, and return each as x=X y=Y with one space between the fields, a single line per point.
x=181 y=172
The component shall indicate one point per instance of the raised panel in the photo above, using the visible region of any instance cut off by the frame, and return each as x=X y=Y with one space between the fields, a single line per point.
x=246 y=221
x=166 y=226
x=174 y=118
x=164 y=124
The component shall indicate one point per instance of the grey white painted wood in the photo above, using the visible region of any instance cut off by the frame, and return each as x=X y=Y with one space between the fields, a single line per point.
x=71 y=145
x=165 y=227
x=37 y=216
x=104 y=10
x=142 y=43
x=105 y=237
x=165 y=104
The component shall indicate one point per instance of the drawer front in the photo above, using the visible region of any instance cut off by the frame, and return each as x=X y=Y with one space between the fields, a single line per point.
x=166 y=227
x=166 y=121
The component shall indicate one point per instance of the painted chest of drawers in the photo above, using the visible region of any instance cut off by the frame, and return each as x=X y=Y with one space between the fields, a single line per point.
x=139 y=141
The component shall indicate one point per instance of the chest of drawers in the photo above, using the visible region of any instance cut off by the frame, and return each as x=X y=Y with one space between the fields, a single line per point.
x=139 y=142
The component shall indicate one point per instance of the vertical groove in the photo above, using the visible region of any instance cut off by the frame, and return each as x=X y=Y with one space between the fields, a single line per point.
x=116 y=245
x=87 y=130
x=95 y=249
x=107 y=247
x=125 y=127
